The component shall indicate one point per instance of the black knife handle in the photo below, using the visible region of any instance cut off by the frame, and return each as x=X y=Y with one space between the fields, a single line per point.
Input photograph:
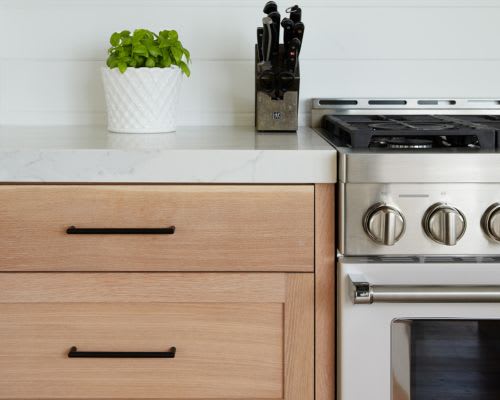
x=270 y=7
x=276 y=17
x=292 y=54
x=285 y=81
x=298 y=31
x=295 y=13
x=288 y=31
x=267 y=81
x=73 y=230
x=74 y=353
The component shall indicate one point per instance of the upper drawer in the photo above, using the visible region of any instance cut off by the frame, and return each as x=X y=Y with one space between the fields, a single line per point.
x=217 y=228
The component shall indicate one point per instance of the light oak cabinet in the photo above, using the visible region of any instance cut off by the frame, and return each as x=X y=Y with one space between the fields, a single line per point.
x=236 y=335
x=243 y=290
x=217 y=228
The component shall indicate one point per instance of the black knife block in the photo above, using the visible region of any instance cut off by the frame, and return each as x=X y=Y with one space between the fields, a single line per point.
x=276 y=113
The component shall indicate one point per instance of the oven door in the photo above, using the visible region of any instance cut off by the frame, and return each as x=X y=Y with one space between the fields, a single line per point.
x=412 y=330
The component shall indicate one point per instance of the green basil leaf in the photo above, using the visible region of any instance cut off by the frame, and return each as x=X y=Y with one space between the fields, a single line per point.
x=187 y=54
x=154 y=50
x=122 y=67
x=140 y=61
x=164 y=34
x=185 y=68
x=115 y=39
x=177 y=54
x=112 y=62
x=140 y=49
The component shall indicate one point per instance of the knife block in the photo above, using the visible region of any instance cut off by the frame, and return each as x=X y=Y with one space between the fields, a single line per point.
x=276 y=113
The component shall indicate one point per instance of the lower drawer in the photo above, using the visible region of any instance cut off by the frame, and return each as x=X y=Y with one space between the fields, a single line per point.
x=236 y=336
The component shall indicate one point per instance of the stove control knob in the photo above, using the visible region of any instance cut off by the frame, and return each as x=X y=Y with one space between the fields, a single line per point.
x=444 y=224
x=491 y=222
x=384 y=224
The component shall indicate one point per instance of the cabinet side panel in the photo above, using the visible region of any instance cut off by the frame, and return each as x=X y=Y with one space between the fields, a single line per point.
x=325 y=292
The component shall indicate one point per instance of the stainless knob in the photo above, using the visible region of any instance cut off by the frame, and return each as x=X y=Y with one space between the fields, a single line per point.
x=384 y=224
x=444 y=224
x=491 y=222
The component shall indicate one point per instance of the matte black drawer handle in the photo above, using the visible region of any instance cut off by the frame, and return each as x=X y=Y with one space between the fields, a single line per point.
x=74 y=353
x=73 y=230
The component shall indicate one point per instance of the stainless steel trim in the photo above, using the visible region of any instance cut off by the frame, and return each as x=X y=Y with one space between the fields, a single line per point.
x=390 y=220
x=341 y=218
x=401 y=359
x=471 y=199
x=364 y=106
x=364 y=292
x=447 y=231
x=361 y=289
x=490 y=217
x=428 y=167
x=405 y=104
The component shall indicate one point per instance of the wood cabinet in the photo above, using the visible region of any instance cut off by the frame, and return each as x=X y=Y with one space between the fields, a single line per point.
x=243 y=291
x=217 y=228
x=236 y=335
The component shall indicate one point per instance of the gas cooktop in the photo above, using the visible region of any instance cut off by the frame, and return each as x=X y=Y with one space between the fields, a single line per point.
x=412 y=140
x=409 y=125
x=411 y=132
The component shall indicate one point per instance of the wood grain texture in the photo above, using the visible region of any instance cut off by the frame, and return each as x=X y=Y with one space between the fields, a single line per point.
x=218 y=228
x=254 y=346
x=325 y=292
x=25 y=287
x=223 y=350
x=299 y=337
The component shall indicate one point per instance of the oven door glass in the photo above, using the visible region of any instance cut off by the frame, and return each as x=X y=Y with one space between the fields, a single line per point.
x=451 y=359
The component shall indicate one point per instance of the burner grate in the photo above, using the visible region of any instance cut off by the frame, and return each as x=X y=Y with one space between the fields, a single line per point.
x=403 y=132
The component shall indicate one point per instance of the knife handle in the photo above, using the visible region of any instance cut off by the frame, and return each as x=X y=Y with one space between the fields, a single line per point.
x=298 y=31
x=295 y=13
x=285 y=81
x=270 y=7
x=267 y=38
x=292 y=54
x=288 y=30
x=260 y=38
x=276 y=17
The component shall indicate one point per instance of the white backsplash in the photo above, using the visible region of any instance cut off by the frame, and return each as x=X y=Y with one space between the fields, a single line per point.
x=52 y=51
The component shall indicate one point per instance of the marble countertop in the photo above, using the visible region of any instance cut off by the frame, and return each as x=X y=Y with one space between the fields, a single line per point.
x=89 y=154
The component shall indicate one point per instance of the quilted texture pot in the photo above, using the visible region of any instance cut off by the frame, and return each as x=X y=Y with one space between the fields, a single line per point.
x=142 y=100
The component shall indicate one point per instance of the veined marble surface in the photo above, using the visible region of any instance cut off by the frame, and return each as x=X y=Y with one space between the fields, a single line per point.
x=90 y=154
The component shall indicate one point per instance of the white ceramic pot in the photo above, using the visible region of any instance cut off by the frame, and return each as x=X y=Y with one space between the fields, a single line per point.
x=142 y=100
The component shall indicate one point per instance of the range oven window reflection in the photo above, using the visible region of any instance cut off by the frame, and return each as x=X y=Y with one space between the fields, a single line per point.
x=445 y=359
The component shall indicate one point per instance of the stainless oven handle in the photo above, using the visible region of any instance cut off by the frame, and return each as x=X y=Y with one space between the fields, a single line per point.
x=365 y=293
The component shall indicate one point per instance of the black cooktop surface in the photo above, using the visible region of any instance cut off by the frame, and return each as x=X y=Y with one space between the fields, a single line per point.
x=412 y=132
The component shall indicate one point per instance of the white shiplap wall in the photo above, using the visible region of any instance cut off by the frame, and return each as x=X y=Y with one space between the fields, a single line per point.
x=51 y=52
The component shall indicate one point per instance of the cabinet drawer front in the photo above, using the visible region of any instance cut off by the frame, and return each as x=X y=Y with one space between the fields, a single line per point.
x=238 y=336
x=131 y=228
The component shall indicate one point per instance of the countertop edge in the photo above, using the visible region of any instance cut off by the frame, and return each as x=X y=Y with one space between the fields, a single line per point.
x=168 y=166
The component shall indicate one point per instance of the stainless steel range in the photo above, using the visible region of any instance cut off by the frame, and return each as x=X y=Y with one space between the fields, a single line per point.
x=419 y=247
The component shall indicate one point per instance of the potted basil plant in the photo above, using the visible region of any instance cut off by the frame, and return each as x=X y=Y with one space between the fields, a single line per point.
x=142 y=80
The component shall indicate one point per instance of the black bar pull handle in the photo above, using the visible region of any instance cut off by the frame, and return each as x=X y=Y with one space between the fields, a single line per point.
x=73 y=230
x=74 y=353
